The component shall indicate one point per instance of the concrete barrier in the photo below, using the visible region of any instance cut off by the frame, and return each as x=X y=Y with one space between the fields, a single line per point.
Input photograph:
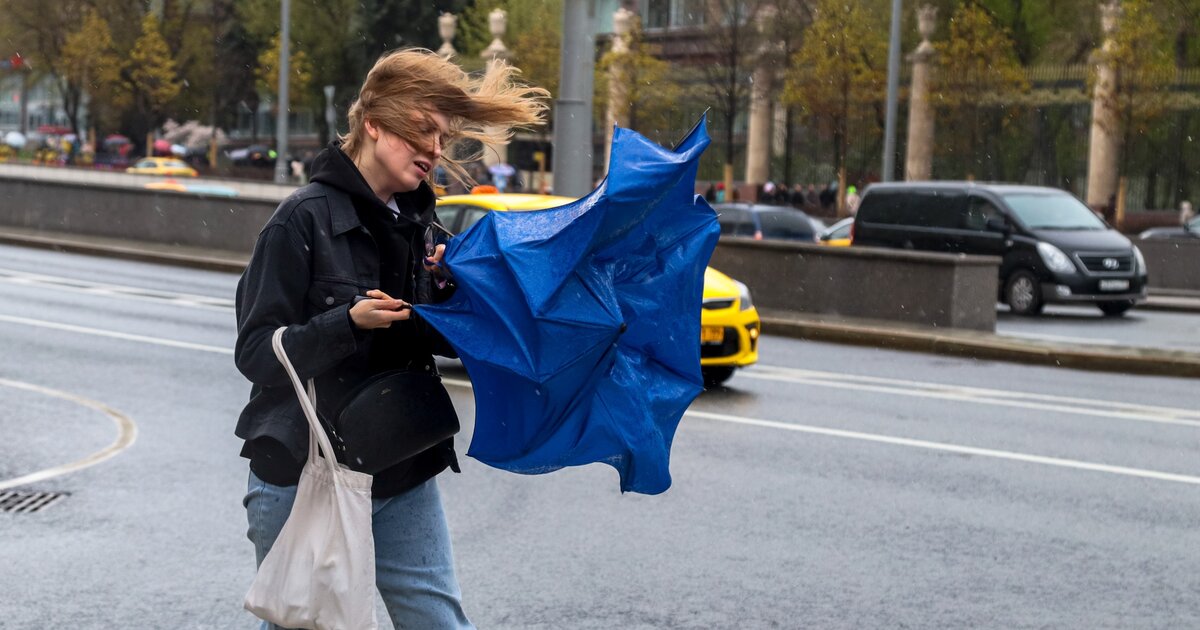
x=229 y=224
x=936 y=290
x=1172 y=263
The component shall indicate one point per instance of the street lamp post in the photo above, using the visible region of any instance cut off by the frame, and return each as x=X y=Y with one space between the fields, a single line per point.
x=281 y=115
x=573 y=109
x=893 y=80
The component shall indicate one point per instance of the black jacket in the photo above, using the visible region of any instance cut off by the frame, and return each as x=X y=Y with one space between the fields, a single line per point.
x=312 y=258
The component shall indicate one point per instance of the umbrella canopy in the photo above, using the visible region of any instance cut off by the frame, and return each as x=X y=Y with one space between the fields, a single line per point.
x=15 y=139
x=579 y=324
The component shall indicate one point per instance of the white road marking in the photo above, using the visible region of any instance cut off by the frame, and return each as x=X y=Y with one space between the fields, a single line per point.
x=158 y=341
x=1127 y=411
x=1048 y=337
x=61 y=284
x=925 y=444
x=951 y=448
x=1004 y=398
x=126 y=435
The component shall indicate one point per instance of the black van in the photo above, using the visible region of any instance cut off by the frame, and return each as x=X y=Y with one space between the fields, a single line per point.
x=1053 y=247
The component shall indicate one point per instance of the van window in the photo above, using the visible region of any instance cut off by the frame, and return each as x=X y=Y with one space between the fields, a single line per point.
x=939 y=208
x=923 y=208
x=1052 y=211
x=979 y=210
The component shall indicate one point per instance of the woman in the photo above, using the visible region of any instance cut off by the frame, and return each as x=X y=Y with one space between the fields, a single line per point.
x=339 y=263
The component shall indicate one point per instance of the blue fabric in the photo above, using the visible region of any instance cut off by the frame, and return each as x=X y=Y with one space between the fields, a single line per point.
x=414 y=564
x=580 y=325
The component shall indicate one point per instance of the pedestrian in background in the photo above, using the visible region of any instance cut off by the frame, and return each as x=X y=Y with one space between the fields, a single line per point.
x=812 y=201
x=1185 y=212
x=340 y=263
x=852 y=200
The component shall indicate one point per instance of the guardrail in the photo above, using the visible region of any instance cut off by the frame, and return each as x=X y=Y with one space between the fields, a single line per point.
x=926 y=289
x=1172 y=263
x=95 y=208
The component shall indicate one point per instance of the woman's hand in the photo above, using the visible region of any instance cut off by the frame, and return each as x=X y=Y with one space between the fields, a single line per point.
x=433 y=263
x=379 y=311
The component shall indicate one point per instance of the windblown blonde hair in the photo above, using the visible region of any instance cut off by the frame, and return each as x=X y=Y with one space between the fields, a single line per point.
x=405 y=85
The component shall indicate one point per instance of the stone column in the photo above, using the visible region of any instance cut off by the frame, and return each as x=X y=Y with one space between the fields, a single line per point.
x=1105 y=142
x=497 y=24
x=758 y=134
x=618 y=79
x=447 y=25
x=918 y=159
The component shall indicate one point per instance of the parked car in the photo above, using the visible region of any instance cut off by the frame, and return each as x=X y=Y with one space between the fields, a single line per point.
x=729 y=323
x=760 y=221
x=1190 y=230
x=162 y=166
x=838 y=234
x=253 y=155
x=1053 y=248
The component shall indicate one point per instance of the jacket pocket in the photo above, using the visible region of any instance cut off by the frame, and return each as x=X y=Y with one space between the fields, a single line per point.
x=325 y=295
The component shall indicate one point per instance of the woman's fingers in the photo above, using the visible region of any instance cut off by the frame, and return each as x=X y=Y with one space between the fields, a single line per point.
x=379 y=312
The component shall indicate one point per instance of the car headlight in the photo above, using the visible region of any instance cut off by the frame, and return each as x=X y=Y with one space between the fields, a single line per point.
x=744 y=297
x=1139 y=260
x=1055 y=259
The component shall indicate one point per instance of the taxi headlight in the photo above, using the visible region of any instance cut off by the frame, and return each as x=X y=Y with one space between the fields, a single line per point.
x=744 y=297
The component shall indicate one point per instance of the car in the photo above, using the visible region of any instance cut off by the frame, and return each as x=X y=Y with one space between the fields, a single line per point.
x=760 y=221
x=1052 y=247
x=162 y=166
x=729 y=322
x=1189 y=230
x=838 y=234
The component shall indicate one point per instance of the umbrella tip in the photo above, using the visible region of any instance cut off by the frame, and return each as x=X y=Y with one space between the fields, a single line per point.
x=624 y=327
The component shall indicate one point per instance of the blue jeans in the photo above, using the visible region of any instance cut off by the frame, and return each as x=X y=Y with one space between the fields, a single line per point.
x=414 y=565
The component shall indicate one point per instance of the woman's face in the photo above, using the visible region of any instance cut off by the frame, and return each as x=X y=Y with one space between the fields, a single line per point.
x=403 y=165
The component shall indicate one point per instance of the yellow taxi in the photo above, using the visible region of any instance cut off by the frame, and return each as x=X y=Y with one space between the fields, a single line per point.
x=838 y=234
x=729 y=324
x=162 y=166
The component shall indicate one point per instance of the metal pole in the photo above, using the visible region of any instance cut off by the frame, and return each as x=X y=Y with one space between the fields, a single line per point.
x=893 y=81
x=573 y=108
x=281 y=115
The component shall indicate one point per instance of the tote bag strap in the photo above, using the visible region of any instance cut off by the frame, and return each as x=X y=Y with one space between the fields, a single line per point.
x=317 y=438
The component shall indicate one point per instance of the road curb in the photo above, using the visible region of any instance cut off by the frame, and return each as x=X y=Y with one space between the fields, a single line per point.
x=213 y=261
x=1123 y=359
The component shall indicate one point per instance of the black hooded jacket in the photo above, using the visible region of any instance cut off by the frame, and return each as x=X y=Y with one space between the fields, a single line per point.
x=327 y=243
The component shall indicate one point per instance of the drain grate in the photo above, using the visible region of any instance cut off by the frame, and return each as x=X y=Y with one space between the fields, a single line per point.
x=24 y=502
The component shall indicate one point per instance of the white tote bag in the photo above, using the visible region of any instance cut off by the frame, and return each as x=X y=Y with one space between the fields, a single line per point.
x=320 y=573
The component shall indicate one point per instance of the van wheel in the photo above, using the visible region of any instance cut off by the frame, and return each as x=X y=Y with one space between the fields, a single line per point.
x=1022 y=293
x=715 y=376
x=1115 y=309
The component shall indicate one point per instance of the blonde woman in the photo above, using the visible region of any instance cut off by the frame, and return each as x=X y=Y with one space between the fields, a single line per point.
x=340 y=263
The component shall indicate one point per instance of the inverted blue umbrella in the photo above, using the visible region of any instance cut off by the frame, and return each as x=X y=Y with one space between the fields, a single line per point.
x=580 y=325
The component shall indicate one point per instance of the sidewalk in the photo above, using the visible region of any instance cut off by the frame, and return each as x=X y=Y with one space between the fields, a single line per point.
x=883 y=334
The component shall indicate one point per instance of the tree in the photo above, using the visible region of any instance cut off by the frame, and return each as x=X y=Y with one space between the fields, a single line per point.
x=40 y=30
x=89 y=62
x=730 y=39
x=838 y=74
x=1145 y=69
x=652 y=91
x=150 y=76
x=267 y=72
x=979 y=76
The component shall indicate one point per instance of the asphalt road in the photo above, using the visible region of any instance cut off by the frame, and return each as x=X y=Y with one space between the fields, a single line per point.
x=828 y=487
x=1071 y=324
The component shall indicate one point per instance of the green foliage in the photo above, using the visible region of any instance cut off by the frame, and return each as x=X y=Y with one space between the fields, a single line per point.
x=150 y=71
x=652 y=94
x=839 y=74
x=267 y=72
